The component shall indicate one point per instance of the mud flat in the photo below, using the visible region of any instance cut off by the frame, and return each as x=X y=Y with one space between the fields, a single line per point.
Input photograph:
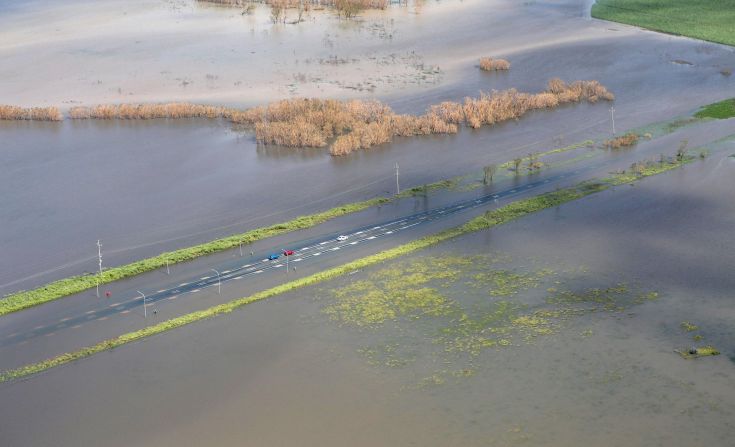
x=585 y=305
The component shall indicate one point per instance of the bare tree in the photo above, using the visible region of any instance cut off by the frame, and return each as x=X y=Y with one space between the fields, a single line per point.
x=682 y=151
x=517 y=164
x=489 y=172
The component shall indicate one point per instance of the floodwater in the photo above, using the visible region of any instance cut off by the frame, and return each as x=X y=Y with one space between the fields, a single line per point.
x=66 y=185
x=285 y=371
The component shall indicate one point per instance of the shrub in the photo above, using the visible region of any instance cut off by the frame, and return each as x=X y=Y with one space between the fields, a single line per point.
x=148 y=111
x=627 y=140
x=490 y=64
x=30 y=113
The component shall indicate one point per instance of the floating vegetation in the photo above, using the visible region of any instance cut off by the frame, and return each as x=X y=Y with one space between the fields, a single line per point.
x=689 y=327
x=693 y=353
x=428 y=301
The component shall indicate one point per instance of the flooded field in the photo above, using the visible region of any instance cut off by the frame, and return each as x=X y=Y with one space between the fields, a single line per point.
x=200 y=180
x=559 y=329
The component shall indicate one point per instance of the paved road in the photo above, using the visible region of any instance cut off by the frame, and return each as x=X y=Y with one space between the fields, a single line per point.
x=303 y=254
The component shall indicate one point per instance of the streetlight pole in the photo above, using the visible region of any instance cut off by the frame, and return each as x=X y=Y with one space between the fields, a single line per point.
x=398 y=187
x=612 y=117
x=145 y=311
x=99 y=259
x=219 y=282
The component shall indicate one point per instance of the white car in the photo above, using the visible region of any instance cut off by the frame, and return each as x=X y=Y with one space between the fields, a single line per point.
x=342 y=238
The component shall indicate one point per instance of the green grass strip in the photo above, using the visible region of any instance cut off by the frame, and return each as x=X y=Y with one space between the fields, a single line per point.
x=719 y=110
x=75 y=284
x=702 y=19
x=507 y=213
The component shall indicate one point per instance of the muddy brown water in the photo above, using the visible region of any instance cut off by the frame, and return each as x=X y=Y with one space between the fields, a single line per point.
x=280 y=372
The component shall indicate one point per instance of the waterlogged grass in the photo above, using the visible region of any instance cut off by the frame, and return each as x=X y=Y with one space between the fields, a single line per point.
x=76 y=284
x=702 y=19
x=422 y=306
x=507 y=213
x=694 y=353
x=719 y=110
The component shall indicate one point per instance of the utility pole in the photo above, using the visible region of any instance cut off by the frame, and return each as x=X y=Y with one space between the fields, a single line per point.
x=286 y=262
x=612 y=116
x=99 y=259
x=398 y=187
x=168 y=271
x=145 y=311
x=219 y=283
x=241 y=249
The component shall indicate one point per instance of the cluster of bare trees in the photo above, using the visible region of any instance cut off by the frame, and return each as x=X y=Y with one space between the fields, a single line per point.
x=279 y=8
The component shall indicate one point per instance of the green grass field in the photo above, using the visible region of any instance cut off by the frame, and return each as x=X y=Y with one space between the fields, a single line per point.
x=710 y=20
x=719 y=110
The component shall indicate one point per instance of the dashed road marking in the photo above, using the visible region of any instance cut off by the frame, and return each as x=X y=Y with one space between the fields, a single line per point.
x=125 y=312
x=237 y=277
x=298 y=259
x=195 y=290
x=317 y=254
x=90 y=312
x=65 y=319
x=171 y=298
x=160 y=291
x=50 y=334
x=76 y=327
x=335 y=248
x=359 y=232
x=278 y=265
x=388 y=232
x=259 y=271
x=371 y=238
x=354 y=243
x=111 y=305
x=186 y=283
x=102 y=318
x=38 y=327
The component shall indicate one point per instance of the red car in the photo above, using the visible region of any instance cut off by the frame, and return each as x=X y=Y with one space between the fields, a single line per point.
x=287 y=252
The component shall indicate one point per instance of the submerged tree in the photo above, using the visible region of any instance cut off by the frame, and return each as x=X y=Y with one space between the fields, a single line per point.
x=489 y=172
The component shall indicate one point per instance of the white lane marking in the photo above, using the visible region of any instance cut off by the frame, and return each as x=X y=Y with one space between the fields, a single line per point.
x=125 y=312
x=375 y=228
x=495 y=196
x=353 y=243
x=259 y=271
x=478 y=201
x=460 y=207
x=317 y=254
x=371 y=238
x=322 y=243
x=298 y=259
x=77 y=326
x=442 y=212
x=37 y=328
x=62 y=320
x=223 y=272
x=359 y=232
x=388 y=232
x=277 y=265
x=529 y=186
x=102 y=318
x=194 y=291
x=512 y=190
x=89 y=312
x=111 y=305
x=237 y=277
x=50 y=334
x=186 y=283
x=172 y=297
x=246 y=266
x=162 y=290
x=335 y=249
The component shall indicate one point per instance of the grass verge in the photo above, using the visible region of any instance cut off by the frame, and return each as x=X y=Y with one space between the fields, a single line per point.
x=75 y=284
x=507 y=213
x=710 y=20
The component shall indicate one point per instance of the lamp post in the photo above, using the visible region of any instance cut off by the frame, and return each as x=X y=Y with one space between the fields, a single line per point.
x=145 y=311
x=219 y=282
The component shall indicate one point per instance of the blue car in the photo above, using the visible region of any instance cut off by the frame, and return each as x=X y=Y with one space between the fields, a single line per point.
x=273 y=257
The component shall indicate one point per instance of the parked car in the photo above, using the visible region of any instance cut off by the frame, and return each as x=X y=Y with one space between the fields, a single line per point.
x=342 y=238
x=273 y=257
x=287 y=252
